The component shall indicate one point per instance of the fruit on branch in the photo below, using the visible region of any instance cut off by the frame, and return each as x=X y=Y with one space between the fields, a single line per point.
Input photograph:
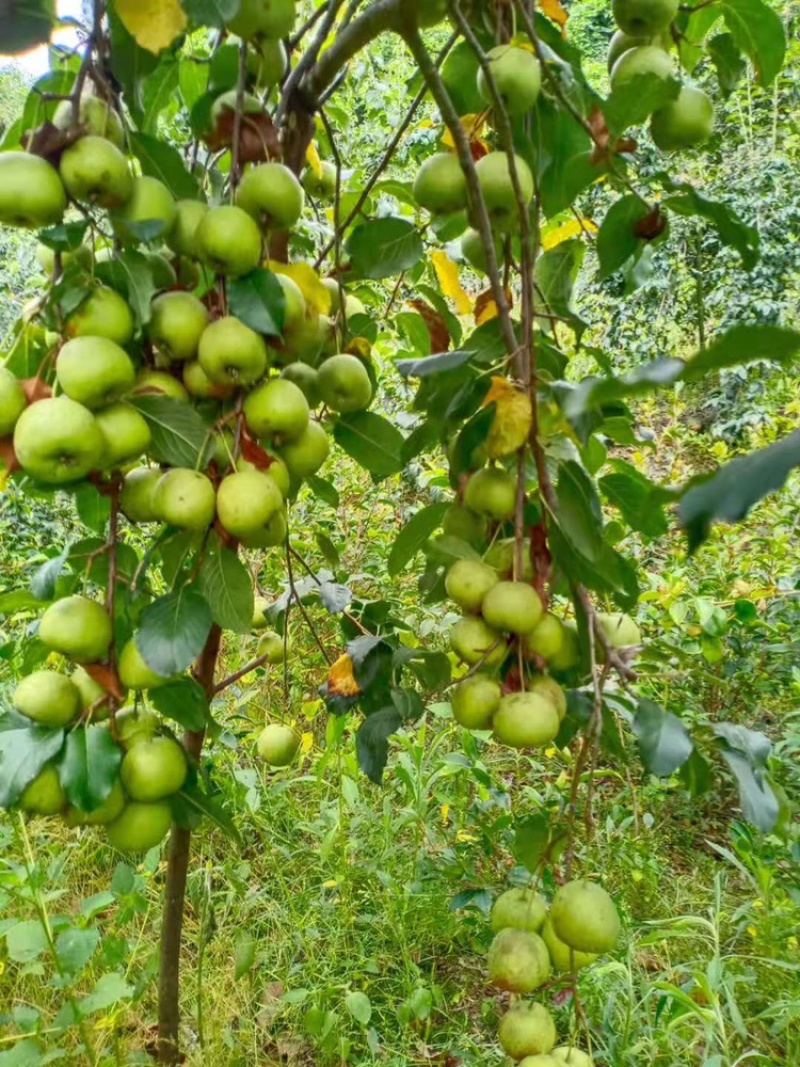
x=474 y=642
x=279 y=474
x=344 y=384
x=569 y=655
x=468 y=581
x=306 y=380
x=149 y=212
x=440 y=186
x=164 y=276
x=223 y=114
x=109 y=810
x=276 y=408
x=573 y=1057
x=271 y=194
x=321 y=186
x=278 y=745
x=177 y=321
x=474 y=251
x=231 y=353
x=294 y=314
x=526 y=1030
x=620 y=629
x=48 y=698
x=563 y=958
x=273 y=19
x=103 y=313
x=585 y=917
x=246 y=501
x=551 y=690
x=274 y=533
x=31 y=192
x=182 y=238
x=134 y=672
x=267 y=62
x=306 y=340
x=76 y=627
x=95 y=117
x=467 y=525
x=643 y=18
x=260 y=608
x=134 y=725
x=198 y=383
x=185 y=498
x=622 y=42
x=94 y=371
x=518 y=961
x=494 y=175
x=94 y=171
x=684 y=122
x=271 y=645
x=503 y=554
x=153 y=769
x=304 y=456
x=640 y=62
x=158 y=383
x=517 y=76
x=526 y=720
x=90 y=693
x=140 y=826
x=546 y=638
x=12 y=400
x=44 y=795
x=512 y=606
x=353 y=306
x=519 y=909
x=126 y=435
x=228 y=241
x=474 y=702
x=492 y=492
x=136 y=495
x=542 y=1059
x=58 y=441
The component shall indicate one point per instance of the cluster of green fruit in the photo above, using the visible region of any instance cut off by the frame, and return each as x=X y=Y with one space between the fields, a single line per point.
x=531 y=944
x=277 y=744
x=641 y=47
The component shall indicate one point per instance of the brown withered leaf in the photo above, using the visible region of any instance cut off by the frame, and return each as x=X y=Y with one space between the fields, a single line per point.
x=35 y=389
x=253 y=452
x=486 y=308
x=258 y=138
x=606 y=146
x=8 y=457
x=652 y=225
x=437 y=329
x=48 y=141
x=542 y=561
x=106 y=677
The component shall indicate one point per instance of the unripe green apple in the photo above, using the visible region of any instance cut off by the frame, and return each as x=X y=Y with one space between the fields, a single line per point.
x=526 y=1030
x=140 y=826
x=306 y=380
x=641 y=61
x=103 y=313
x=440 y=186
x=276 y=408
x=185 y=498
x=320 y=186
x=149 y=212
x=520 y=909
x=563 y=958
x=467 y=525
x=272 y=646
x=12 y=400
x=573 y=1057
x=177 y=322
x=518 y=961
x=279 y=473
x=182 y=238
x=568 y=656
x=31 y=193
x=95 y=117
x=494 y=175
x=620 y=629
x=271 y=194
x=267 y=62
x=94 y=371
x=332 y=285
x=78 y=628
x=136 y=495
x=622 y=42
x=273 y=19
x=94 y=171
x=48 y=698
x=226 y=102
x=492 y=492
x=294 y=304
x=307 y=339
x=585 y=917
x=551 y=690
x=474 y=642
x=517 y=75
x=643 y=18
x=474 y=252
x=153 y=769
x=541 y=1059
x=260 y=607
x=246 y=501
x=278 y=745
x=467 y=582
x=474 y=702
x=58 y=441
x=90 y=693
x=344 y=384
x=136 y=724
x=685 y=122
x=546 y=638
x=44 y=795
x=109 y=810
x=228 y=241
x=151 y=382
x=502 y=555
x=126 y=435
x=526 y=720
x=274 y=533
x=353 y=306
x=134 y=672
x=231 y=353
x=198 y=383
x=512 y=606
x=306 y=455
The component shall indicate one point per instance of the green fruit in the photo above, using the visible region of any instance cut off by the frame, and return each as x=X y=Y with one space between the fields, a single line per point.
x=294 y=314
x=177 y=322
x=468 y=582
x=526 y=720
x=440 y=186
x=552 y=691
x=623 y=42
x=136 y=724
x=279 y=473
x=149 y=212
x=526 y=1030
x=271 y=194
x=12 y=399
x=106 y=812
x=267 y=62
x=563 y=958
x=640 y=62
x=277 y=408
x=126 y=435
x=574 y=1057
x=44 y=795
x=58 y=441
x=512 y=606
x=94 y=171
x=182 y=238
x=231 y=353
x=158 y=383
x=102 y=314
x=31 y=193
x=48 y=698
x=584 y=917
x=222 y=122
x=541 y=1059
x=246 y=502
x=474 y=251
x=517 y=75
x=272 y=646
x=492 y=492
x=620 y=630
x=78 y=628
x=464 y=524
x=518 y=961
x=320 y=186
x=685 y=122
x=306 y=455
x=519 y=909
x=643 y=18
x=568 y=656
x=474 y=642
x=228 y=241
x=198 y=383
x=90 y=693
x=306 y=380
x=278 y=745
x=274 y=533
x=95 y=117
x=185 y=498
x=140 y=827
x=546 y=639
x=307 y=340
x=260 y=613
x=429 y=12
x=153 y=769
x=474 y=702
x=94 y=371
x=136 y=495
x=264 y=18
x=134 y=673
x=344 y=384
x=494 y=175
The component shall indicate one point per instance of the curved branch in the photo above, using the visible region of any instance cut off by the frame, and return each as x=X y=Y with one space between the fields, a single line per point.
x=380 y=16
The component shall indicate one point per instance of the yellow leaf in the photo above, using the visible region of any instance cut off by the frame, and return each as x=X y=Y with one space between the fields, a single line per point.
x=513 y=418
x=341 y=681
x=318 y=297
x=473 y=127
x=554 y=11
x=488 y=312
x=313 y=160
x=331 y=883
x=571 y=228
x=445 y=813
x=306 y=742
x=153 y=23
x=447 y=273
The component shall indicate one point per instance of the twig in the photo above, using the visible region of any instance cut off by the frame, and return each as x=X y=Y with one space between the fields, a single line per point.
x=248 y=668
x=301 y=606
x=235 y=174
x=308 y=59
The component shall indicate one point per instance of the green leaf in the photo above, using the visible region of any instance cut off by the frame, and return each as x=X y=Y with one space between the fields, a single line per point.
x=328 y=549
x=428 y=365
x=173 y=630
x=227 y=586
x=413 y=536
x=93 y=508
x=746 y=753
x=372 y=745
x=359 y=1006
x=730 y=228
x=758 y=31
x=323 y=489
x=384 y=247
x=217 y=13
x=639 y=499
x=664 y=742
x=178 y=433
x=555 y=275
x=44 y=578
x=635 y=101
x=579 y=514
x=372 y=441
x=727 y=58
x=18 y=600
x=728 y=495
x=617 y=240
x=24 y=1053
x=192 y=80
x=244 y=956
x=531 y=838
x=75 y=947
x=212 y=807
x=460 y=76
x=25 y=941
x=335 y=597
x=109 y=989
x=24 y=750
x=161 y=160
x=66 y=236
x=184 y=702
x=158 y=92
x=89 y=766
x=131 y=274
x=259 y=301
x=130 y=63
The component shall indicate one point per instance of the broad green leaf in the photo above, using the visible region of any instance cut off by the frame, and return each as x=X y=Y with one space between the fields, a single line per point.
x=617 y=240
x=460 y=76
x=383 y=248
x=227 y=586
x=664 y=742
x=75 y=946
x=639 y=500
x=359 y=1006
x=93 y=507
x=372 y=441
x=161 y=160
x=158 y=93
x=555 y=275
x=258 y=300
x=179 y=434
x=184 y=702
x=327 y=549
x=24 y=750
x=727 y=58
x=192 y=80
x=758 y=31
x=531 y=838
x=732 y=231
x=215 y=13
x=173 y=630
x=372 y=744
x=131 y=274
x=44 y=578
x=89 y=766
x=199 y=802
x=323 y=489
x=436 y=364
x=746 y=753
x=109 y=989
x=413 y=536
x=244 y=956
x=23 y=1053
x=65 y=237
x=18 y=600
x=635 y=101
x=335 y=597
x=579 y=513
x=25 y=941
